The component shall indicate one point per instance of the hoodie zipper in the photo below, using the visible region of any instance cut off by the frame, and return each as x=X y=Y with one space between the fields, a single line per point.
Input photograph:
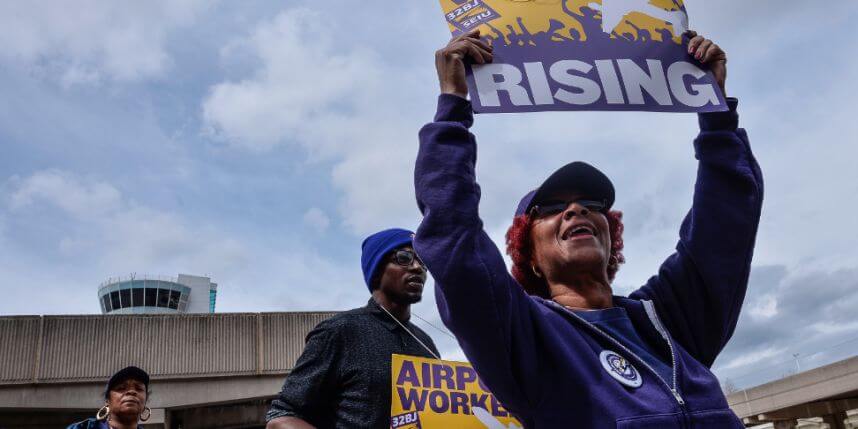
x=653 y=315
x=596 y=329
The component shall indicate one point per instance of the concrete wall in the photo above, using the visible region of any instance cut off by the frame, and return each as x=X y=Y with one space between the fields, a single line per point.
x=169 y=393
x=74 y=349
x=208 y=370
x=829 y=383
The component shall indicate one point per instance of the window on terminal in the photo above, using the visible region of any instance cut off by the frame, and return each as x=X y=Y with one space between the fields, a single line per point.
x=125 y=297
x=106 y=300
x=163 y=297
x=137 y=297
x=174 y=299
x=151 y=297
x=114 y=300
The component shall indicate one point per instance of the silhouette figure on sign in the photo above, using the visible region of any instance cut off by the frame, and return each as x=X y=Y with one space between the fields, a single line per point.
x=643 y=34
x=598 y=25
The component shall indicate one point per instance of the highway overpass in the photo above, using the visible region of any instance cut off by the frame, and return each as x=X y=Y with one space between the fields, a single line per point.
x=827 y=392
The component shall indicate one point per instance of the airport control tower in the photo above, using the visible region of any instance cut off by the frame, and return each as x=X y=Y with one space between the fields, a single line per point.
x=157 y=295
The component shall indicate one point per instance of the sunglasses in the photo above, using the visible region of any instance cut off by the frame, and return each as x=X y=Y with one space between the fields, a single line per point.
x=551 y=208
x=129 y=385
x=406 y=258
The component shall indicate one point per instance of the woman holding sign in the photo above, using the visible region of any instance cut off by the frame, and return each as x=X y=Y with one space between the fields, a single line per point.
x=551 y=341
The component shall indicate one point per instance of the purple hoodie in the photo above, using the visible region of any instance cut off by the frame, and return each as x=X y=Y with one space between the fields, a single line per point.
x=546 y=364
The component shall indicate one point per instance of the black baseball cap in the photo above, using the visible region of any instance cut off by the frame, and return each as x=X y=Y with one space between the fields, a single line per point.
x=577 y=176
x=129 y=372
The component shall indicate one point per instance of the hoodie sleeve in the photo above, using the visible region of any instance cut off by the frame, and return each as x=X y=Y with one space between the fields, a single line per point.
x=478 y=300
x=699 y=290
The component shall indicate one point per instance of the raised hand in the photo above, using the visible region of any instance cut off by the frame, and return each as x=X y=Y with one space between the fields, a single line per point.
x=450 y=61
x=707 y=52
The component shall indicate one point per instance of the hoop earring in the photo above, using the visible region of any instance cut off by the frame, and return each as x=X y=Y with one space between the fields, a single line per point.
x=148 y=414
x=102 y=413
x=535 y=273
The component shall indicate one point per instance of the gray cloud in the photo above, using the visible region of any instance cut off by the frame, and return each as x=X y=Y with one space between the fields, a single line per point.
x=812 y=316
x=94 y=40
x=86 y=230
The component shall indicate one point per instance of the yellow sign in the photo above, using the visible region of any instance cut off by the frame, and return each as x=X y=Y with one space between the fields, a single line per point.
x=611 y=55
x=431 y=393
x=535 y=22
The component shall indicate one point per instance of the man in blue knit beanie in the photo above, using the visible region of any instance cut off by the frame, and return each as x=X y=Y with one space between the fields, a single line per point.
x=342 y=379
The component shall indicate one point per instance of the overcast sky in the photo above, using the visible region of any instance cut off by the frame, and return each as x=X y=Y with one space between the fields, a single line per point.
x=259 y=142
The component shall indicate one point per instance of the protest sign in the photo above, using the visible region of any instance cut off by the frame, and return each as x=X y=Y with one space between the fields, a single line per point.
x=432 y=393
x=584 y=55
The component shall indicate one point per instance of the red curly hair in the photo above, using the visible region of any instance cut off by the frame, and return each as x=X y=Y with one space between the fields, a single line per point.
x=519 y=246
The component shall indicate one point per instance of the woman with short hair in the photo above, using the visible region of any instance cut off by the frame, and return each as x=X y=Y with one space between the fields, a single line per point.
x=552 y=341
x=124 y=402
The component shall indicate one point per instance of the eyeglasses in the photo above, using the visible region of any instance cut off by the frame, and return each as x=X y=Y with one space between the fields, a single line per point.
x=406 y=258
x=551 y=208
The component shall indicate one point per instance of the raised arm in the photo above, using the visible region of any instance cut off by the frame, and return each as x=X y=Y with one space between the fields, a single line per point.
x=478 y=300
x=699 y=290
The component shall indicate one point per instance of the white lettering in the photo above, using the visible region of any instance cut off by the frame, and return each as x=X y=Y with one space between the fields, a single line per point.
x=636 y=79
x=590 y=91
x=610 y=82
x=482 y=16
x=488 y=87
x=538 y=83
x=700 y=94
x=577 y=83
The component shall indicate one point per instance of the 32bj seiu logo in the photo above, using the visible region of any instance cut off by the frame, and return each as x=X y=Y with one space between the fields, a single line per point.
x=469 y=14
x=409 y=420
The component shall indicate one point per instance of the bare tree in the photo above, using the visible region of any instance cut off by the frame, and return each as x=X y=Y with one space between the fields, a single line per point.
x=728 y=387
